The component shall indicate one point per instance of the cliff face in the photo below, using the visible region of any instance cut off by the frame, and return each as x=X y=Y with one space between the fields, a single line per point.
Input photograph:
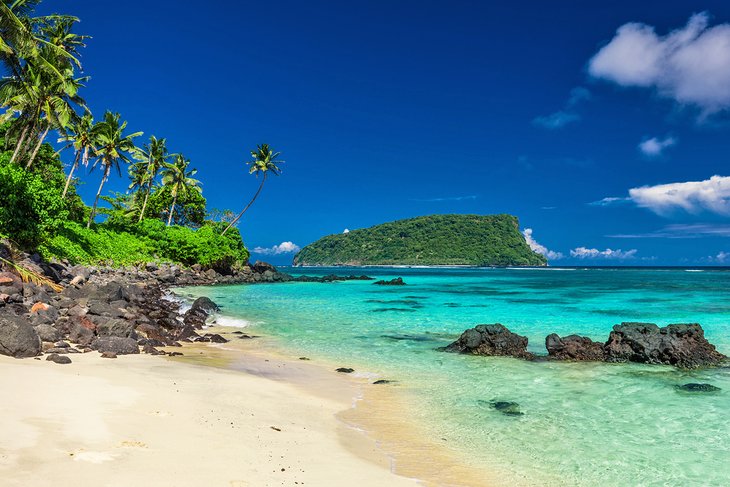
x=475 y=240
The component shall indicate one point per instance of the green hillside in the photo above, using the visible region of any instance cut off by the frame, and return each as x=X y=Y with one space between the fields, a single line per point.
x=476 y=240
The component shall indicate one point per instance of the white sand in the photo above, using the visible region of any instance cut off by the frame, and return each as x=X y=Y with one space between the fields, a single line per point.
x=154 y=421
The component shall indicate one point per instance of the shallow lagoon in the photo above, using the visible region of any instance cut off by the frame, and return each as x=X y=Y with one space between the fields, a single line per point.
x=583 y=424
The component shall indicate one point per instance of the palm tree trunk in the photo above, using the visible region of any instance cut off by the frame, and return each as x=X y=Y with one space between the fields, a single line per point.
x=96 y=200
x=70 y=174
x=19 y=144
x=172 y=209
x=37 y=147
x=235 y=220
x=144 y=204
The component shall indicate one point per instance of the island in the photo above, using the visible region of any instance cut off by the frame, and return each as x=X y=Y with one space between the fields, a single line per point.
x=434 y=240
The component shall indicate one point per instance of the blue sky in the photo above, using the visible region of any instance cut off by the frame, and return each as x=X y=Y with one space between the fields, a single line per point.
x=564 y=116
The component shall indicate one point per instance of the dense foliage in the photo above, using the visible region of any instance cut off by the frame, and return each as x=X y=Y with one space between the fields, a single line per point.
x=476 y=240
x=162 y=217
x=147 y=241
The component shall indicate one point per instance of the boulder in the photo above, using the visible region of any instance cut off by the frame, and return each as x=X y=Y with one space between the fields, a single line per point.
x=573 y=347
x=47 y=333
x=260 y=267
x=17 y=338
x=681 y=345
x=491 y=340
x=117 y=345
x=10 y=284
x=116 y=328
x=80 y=334
x=199 y=312
x=206 y=304
x=59 y=359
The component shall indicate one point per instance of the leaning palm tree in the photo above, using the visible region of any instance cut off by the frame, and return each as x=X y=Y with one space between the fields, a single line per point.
x=179 y=180
x=113 y=147
x=264 y=161
x=151 y=159
x=81 y=136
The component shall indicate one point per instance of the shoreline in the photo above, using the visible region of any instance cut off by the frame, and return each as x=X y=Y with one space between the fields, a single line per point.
x=195 y=419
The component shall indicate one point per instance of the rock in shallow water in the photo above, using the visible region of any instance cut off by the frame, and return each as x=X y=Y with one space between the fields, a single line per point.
x=681 y=345
x=695 y=387
x=507 y=408
x=398 y=281
x=345 y=370
x=573 y=347
x=491 y=340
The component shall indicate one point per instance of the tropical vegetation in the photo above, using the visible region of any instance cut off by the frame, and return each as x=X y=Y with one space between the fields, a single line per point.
x=162 y=216
x=473 y=240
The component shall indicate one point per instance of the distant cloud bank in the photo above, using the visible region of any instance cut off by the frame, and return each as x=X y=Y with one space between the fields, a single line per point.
x=282 y=248
x=690 y=65
x=609 y=254
x=540 y=249
x=655 y=147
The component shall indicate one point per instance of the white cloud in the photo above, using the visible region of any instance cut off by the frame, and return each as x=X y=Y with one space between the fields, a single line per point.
x=722 y=257
x=618 y=254
x=346 y=230
x=282 y=248
x=610 y=200
x=690 y=65
x=568 y=115
x=711 y=195
x=540 y=249
x=654 y=146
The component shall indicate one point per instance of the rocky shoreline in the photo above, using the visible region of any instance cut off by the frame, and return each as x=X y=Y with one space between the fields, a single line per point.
x=114 y=311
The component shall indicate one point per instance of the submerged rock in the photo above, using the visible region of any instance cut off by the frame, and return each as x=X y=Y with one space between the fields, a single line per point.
x=491 y=340
x=383 y=381
x=507 y=408
x=398 y=281
x=681 y=345
x=573 y=347
x=694 y=387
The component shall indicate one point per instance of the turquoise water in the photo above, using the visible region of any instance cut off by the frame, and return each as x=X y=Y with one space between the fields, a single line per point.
x=585 y=424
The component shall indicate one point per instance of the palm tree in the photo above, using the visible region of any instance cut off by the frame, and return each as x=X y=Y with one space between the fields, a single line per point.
x=113 y=147
x=39 y=54
x=264 y=161
x=82 y=139
x=180 y=181
x=151 y=159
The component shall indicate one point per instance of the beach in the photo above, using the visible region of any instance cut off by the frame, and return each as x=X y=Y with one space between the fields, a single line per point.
x=158 y=421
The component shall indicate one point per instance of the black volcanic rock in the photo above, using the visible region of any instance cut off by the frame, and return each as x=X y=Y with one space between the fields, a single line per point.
x=573 y=347
x=398 y=281
x=17 y=337
x=491 y=340
x=681 y=345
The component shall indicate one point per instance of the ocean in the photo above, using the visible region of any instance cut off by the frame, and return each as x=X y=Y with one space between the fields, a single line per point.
x=584 y=424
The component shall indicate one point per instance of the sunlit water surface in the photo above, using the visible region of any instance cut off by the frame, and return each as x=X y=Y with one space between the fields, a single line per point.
x=584 y=423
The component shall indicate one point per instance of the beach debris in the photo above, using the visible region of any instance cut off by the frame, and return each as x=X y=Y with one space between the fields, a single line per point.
x=345 y=370
x=275 y=428
x=697 y=387
x=491 y=340
x=59 y=359
x=573 y=347
x=398 y=281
